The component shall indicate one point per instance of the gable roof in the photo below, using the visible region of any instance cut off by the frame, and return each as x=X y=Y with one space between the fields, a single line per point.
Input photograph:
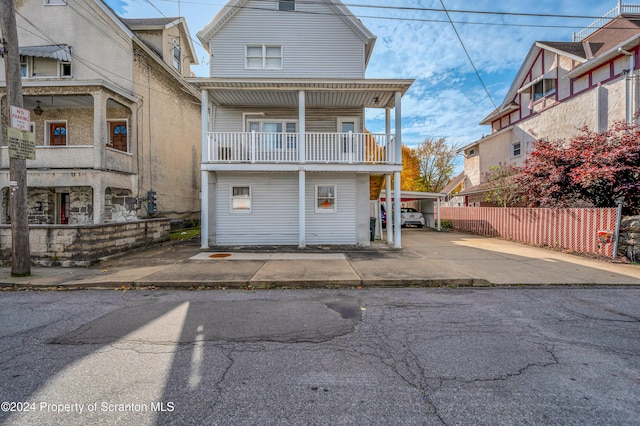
x=622 y=32
x=233 y=6
x=453 y=184
x=146 y=24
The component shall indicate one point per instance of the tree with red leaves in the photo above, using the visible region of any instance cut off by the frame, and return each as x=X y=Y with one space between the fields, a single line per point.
x=598 y=168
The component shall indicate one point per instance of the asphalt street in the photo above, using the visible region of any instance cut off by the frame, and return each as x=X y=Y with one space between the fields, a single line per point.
x=352 y=356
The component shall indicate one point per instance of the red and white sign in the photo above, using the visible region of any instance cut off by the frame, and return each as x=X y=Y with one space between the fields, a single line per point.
x=20 y=118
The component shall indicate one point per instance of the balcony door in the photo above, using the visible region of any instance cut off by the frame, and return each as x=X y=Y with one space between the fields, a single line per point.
x=346 y=125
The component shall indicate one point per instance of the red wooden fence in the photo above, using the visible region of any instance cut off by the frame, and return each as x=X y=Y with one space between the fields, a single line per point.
x=575 y=229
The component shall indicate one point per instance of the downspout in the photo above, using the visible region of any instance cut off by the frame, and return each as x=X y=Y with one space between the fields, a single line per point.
x=629 y=85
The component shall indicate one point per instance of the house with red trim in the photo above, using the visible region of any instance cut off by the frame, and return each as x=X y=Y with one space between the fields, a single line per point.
x=561 y=88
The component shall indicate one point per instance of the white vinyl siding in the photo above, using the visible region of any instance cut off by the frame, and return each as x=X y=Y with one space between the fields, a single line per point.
x=317 y=119
x=334 y=228
x=315 y=42
x=274 y=209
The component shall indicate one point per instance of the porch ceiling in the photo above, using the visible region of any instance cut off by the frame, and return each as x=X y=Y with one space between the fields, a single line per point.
x=319 y=93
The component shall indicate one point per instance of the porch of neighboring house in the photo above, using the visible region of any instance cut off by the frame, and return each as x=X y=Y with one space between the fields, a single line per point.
x=85 y=156
x=346 y=163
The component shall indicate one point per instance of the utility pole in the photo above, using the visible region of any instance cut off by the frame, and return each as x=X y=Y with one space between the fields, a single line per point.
x=20 y=255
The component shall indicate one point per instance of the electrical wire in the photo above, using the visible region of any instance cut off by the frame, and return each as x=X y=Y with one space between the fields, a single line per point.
x=468 y=56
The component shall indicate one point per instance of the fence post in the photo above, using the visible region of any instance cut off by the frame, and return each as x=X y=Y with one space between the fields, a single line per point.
x=616 y=235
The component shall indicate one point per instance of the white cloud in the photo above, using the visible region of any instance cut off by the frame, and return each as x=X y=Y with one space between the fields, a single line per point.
x=447 y=100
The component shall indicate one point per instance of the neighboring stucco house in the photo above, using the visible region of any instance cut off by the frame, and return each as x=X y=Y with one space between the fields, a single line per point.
x=286 y=157
x=560 y=88
x=112 y=114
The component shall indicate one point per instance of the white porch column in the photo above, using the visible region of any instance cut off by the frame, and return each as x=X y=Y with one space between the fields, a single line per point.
x=302 y=179
x=100 y=131
x=389 y=209
x=204 y=180
x=398 y=145
x=302 y=230
x=438 y=212
x=301 y=126
x=396 y=176
x=396 y=213
x=204 y=209
x=387 y=131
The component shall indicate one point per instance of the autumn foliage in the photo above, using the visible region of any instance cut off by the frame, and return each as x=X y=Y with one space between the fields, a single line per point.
x=597 y=168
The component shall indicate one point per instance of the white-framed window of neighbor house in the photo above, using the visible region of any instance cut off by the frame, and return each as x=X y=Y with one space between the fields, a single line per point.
x=326 y=198
x=240 y=199
x=263 y=56
x=516 y=149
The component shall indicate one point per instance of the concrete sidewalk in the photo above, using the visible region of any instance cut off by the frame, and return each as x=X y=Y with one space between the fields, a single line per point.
x=429 y=258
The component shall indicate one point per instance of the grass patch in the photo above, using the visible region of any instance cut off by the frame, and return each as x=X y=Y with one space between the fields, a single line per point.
x=184 y=234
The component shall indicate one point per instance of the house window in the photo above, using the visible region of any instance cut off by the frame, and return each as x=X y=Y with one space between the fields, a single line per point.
x=516 y=149
x=24 y=68
x=326 y=198
x=34 y=66
x=263 y=56
x=471 y=152
x=118 y=136
x=276 y=133
x=286 y=5
x=65 y=69
x=57 y=133
x=177 y=58
x=241 y=199
x=543 y=88
x=45 y=67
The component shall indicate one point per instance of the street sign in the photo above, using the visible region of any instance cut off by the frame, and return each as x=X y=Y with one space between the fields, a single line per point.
x=20 y=118
x=22 y=144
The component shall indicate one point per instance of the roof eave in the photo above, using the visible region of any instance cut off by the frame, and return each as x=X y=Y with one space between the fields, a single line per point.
x=600 y=59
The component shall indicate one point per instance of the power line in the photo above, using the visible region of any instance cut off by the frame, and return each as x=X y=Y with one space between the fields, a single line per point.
x=407 y=8
x=468 y=56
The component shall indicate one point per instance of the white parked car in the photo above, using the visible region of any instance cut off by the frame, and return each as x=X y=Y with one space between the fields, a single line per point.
x=411 y=216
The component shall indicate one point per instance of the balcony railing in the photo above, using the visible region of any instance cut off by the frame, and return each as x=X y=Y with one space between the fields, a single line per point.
x=329 y=148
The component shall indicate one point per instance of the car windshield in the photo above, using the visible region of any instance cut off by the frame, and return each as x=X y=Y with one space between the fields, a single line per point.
x=408 y=210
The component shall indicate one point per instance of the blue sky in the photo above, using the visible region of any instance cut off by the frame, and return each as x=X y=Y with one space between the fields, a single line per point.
x=447 y=99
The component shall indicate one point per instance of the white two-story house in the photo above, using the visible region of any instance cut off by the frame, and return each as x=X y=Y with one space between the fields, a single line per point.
x=561 y=87
x=113 y=116
x=286 y=157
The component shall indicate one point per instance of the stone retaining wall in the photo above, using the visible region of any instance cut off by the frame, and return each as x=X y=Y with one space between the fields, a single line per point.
x=629 y=241
x=83 y=245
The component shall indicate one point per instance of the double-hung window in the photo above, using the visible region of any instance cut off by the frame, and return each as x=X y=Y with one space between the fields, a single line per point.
x=263 y=56
x=326 y=199
x=516 y=149
x=241 y=199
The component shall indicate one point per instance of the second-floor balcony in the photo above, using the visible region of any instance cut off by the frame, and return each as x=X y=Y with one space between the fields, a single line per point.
x=322 y=148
